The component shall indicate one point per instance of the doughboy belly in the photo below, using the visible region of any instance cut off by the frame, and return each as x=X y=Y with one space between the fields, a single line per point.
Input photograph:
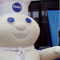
x=11 y=55
x=8 y=55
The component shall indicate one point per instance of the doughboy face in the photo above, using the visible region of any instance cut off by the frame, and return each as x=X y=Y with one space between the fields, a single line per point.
x=17 y=30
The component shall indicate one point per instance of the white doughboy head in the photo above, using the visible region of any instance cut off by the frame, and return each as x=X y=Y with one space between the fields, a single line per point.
x=17 y=30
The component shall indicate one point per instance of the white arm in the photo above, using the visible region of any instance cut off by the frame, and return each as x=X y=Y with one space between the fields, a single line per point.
x=50 y=53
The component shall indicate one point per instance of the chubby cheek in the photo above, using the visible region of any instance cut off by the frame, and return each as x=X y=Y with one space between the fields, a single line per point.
x=5 y=30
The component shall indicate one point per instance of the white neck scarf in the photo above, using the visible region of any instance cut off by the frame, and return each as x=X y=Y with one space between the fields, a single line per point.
x=21 y=51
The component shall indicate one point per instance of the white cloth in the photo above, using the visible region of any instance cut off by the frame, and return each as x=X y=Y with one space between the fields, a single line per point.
x=21 y=51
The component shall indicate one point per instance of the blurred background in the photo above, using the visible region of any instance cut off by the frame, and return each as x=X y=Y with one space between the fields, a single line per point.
x=38 y=11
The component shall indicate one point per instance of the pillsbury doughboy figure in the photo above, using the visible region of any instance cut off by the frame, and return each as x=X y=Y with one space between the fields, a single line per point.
x=18 y=32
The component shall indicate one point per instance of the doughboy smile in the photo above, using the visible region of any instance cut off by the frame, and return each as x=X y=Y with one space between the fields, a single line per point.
x=20 y=35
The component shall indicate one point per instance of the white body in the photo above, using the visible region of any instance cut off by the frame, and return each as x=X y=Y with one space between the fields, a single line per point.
x=17 y=30
x=9 y=33
x=29 y=55
x=46 y=54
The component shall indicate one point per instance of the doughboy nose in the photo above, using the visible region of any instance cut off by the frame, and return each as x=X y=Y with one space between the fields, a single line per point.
x=20 y=25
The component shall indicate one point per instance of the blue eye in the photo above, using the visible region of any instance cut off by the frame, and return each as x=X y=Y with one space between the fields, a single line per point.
x=10 y=19
x=28 y=20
